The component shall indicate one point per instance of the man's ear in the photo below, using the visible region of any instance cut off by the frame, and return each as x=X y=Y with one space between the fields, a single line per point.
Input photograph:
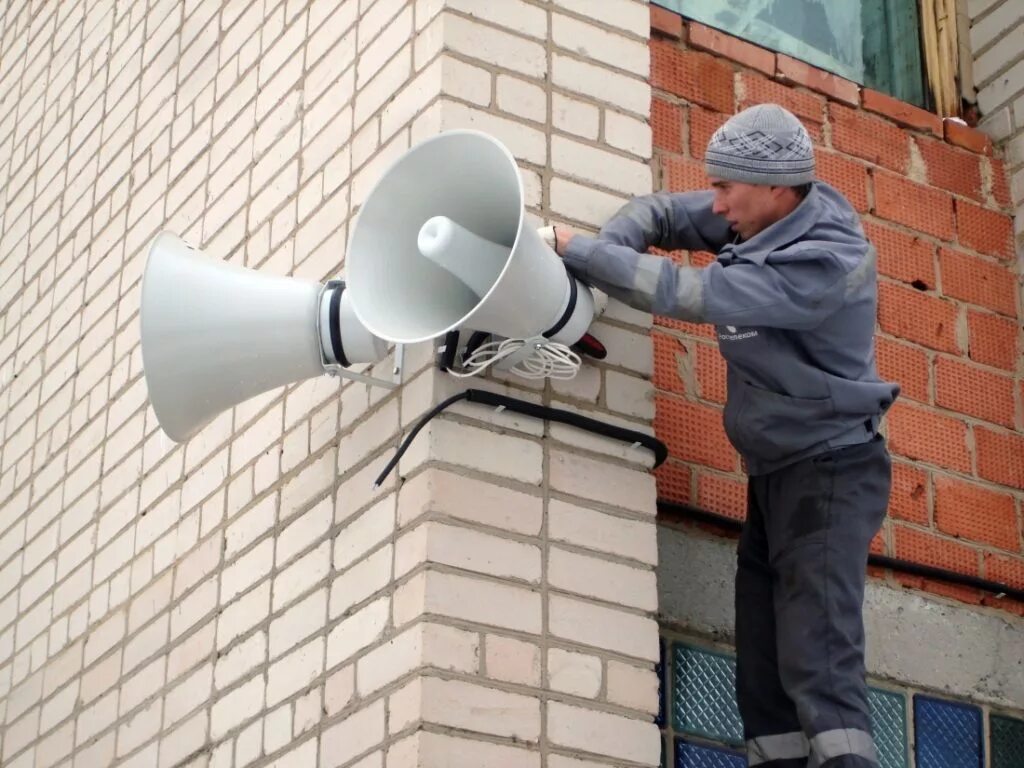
x=780 y=192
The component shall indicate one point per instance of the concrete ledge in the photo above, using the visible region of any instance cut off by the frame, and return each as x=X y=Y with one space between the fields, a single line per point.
x=912 y=639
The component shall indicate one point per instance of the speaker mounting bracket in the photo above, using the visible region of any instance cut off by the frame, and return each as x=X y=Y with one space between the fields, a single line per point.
x=333 y=369
x=336 y=369
x=527 y=350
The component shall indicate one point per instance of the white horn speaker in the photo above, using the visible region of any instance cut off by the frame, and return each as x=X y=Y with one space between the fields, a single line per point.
x=442 y=242
x=215 y=334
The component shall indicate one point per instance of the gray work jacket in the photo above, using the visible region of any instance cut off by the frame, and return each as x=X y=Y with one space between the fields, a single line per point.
x=794 y=309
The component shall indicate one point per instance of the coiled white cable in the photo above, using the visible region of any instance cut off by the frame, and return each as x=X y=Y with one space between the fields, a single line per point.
x=549 y=359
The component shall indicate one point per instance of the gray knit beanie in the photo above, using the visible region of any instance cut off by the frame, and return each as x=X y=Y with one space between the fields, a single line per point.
x=764 y=144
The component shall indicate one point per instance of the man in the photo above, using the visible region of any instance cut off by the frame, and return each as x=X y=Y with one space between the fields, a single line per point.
x=793 y=295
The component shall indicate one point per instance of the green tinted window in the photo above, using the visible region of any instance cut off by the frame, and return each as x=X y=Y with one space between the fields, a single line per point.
x=872 y=42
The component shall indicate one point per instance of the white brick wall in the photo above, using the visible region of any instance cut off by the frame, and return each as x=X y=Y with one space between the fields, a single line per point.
x=248 y=598
x=996 y=37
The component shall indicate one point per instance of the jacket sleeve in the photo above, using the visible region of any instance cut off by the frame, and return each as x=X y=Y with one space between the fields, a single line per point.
x=617 y=262
x=796 y=294
x=669 y=221
x=643 y=281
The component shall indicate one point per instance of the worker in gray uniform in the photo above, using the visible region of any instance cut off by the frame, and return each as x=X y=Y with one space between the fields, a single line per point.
x=793 y=297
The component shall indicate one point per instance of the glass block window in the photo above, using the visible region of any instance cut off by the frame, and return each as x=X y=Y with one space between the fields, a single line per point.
x=872 y=42
x=889 y=722
x=659 y=670
x=690 y=755
x=704 y=695
x=1006 y=739
x=701 y=727
x=948 y=734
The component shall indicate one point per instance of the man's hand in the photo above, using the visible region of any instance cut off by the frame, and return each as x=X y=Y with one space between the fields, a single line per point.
x=557 y=237
x=562 y=237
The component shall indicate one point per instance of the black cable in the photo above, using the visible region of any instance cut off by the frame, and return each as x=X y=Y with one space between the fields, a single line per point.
x=449 y=349
x=474 y=343
x=537 y=411
x=415 y=431
x=879 y=561
x=573 y=419
x=941 y=574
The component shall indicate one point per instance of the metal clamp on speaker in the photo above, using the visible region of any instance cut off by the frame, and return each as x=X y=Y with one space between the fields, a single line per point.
x=344 y=341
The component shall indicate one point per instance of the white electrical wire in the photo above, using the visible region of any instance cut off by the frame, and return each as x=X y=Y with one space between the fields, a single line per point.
x=549 y=359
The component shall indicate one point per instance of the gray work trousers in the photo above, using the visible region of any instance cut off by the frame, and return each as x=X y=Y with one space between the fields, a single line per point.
x=802 y=556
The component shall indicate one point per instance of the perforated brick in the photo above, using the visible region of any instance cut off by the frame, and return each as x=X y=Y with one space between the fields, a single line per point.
x=969 y=511
x=700 y=330
x=793 y=70
x=984 y=230
x=878 y=545
x=930 y=549
x=944 y=588
x=978 y=281
x=682 y=175
x=992 y=340
x=951 y=168
x=694 y=433
x=665 y=22
x=908 y=499
x=969 y=138
x=904 y=256
x=692 y=75
x=899 y=111
x=729 y=47
x=667 y=125
x=918 y=317
x=917 y=206
x=1000 y=456
x=722 y=495
x=870 y=138
x=847 y=175
x=925 y=435
x=703 y=123
x=906 y=364
x=967 y=388
x=674 y=482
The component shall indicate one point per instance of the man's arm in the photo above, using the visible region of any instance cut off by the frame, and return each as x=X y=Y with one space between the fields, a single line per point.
x=670 y=221
x=643 y=281
x=665 y=220
x=797 y=294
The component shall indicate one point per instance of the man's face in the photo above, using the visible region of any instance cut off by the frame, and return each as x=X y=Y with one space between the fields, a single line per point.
x=749 y=208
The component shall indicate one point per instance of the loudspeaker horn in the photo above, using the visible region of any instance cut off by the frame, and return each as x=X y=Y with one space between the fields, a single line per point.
x=215 y=334
x=442 y=243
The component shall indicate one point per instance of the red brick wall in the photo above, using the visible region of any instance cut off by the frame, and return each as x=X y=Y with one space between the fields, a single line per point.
x=934 y=200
